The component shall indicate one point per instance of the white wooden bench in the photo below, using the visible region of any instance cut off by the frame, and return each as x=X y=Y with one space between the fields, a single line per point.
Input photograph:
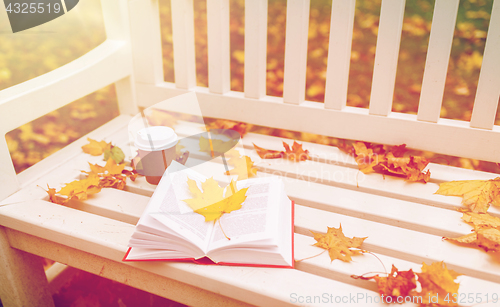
x=404 y=221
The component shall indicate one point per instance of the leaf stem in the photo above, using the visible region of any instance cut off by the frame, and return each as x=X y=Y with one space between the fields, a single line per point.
x=378 y=260
x=223 y=230
x=311 y=256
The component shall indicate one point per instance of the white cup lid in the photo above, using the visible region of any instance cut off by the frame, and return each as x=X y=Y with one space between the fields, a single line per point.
x=155 y=138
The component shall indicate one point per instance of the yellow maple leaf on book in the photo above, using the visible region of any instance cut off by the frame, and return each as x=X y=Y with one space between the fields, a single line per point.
x=212 y=202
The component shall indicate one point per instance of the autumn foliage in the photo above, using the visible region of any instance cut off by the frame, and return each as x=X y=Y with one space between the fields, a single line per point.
x=486 y=232
x=296 y=153
x=478 y=195
x=435 y=281
x=377 y=158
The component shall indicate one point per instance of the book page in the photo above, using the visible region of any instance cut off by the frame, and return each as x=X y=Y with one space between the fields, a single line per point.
x=176 y=214
x=254 y=223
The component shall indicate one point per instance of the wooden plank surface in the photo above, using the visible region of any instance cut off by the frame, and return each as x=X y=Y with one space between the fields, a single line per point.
x=404 y=223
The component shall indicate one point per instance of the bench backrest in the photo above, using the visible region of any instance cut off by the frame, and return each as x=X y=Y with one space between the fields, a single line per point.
x=132 y=57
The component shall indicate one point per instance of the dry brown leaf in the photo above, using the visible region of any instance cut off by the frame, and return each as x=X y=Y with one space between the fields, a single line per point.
x=478 y=195
x=338 y=245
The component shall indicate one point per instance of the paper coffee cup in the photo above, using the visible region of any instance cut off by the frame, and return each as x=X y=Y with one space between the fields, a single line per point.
x=156 y=149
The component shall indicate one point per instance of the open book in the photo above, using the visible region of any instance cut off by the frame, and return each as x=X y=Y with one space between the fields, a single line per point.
x=261 y=232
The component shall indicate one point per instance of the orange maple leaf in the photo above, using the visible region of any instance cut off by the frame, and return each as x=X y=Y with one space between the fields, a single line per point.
x=338 y=245
x=296 y=153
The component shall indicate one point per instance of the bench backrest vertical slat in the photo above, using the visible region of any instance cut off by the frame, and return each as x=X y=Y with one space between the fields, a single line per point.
x=297 y=29
x=219 y=78
x=255 y=48
x=438 y=56
x=386 y=56
x=147 y=52
x=339 y=53
x=183 y=39
x=488 y=87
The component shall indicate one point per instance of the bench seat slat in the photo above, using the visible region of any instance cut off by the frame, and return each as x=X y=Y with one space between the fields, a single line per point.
x=108 y=238
x=401 y=231
x=342 y=271
x=400 y=243
x=332 y=155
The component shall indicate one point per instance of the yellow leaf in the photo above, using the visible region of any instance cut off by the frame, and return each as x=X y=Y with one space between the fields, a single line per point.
x=81 y=188
x=243 y=167
x=478 y=219
x=110 y=168
x=239 y=55
x=211 y=194
x=476 y=194
x=227 y=205
x=486 y=231
x=437 y=280
x=210 y=202
x=95 y=148
x=114 y=168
